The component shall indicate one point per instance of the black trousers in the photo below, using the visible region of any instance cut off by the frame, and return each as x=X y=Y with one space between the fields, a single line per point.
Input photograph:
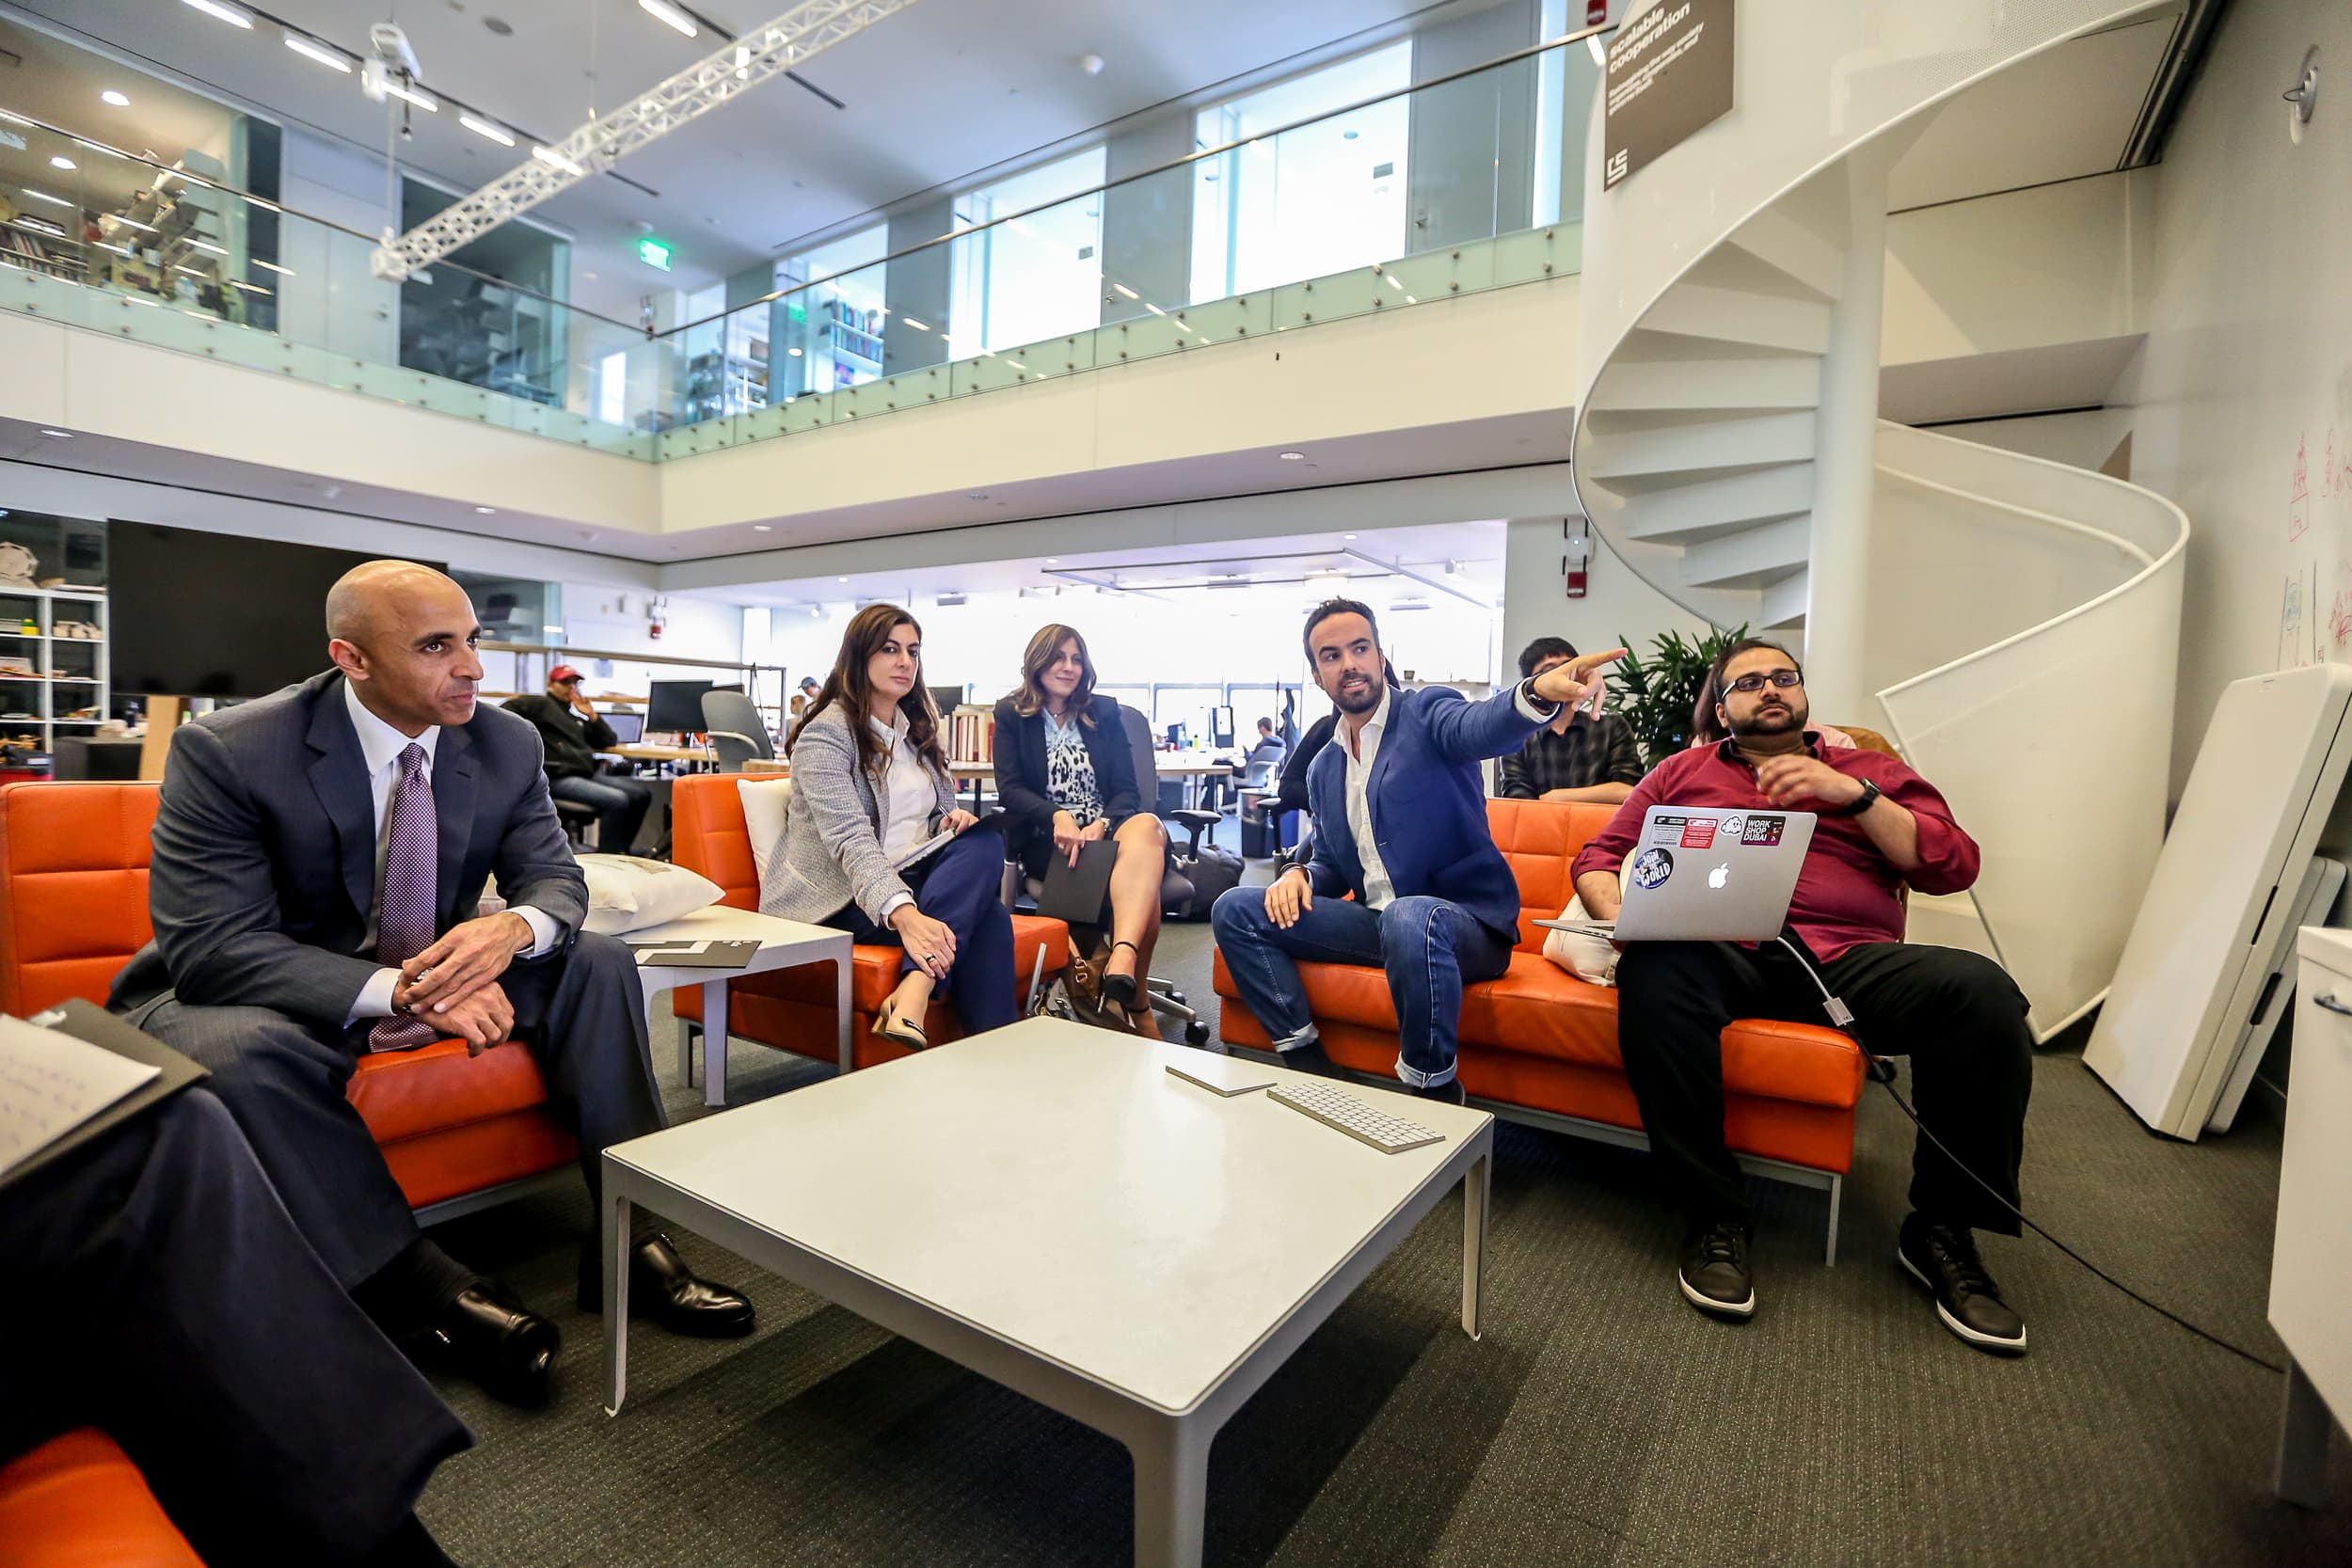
x=958 y=885
x=1958 y=1016
x=158 y=1289
x=620 y=803
x=582 y=1013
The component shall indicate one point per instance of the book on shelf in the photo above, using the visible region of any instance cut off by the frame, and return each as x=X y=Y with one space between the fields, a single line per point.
x=972 y=734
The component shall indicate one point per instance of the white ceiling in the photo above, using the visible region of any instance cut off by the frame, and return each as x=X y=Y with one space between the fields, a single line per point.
x=932 y=94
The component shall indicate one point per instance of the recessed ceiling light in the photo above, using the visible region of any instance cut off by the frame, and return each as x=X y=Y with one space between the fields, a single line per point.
x=230 y=14
x=793 y=352
x=486 y=511
x=282 y=272
x=841 y=579
x=661 y=10
x=1291 y=457
x=110 y=96
x=61 y=161
x=1053 y=561
x=45 y=196
x=61 y=435
x=763 y=528
x=1347 y=536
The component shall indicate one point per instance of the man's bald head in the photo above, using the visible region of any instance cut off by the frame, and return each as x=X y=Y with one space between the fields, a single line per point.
x=357 y=604
x=403 y=636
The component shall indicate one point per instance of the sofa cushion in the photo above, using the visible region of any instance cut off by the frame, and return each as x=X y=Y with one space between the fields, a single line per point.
x=401 y=1094
x=72 y=889
x=77 y=1501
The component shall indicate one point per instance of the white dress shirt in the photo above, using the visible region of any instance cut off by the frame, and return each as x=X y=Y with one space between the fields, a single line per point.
x=1361 y=749
x=907 y=803
x=380 y=746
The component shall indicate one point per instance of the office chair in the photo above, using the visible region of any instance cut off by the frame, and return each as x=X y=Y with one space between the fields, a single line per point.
x=1166 y=999
x=738 y=730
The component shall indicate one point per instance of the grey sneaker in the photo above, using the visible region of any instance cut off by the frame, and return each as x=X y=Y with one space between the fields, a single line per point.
x=1714 y=1273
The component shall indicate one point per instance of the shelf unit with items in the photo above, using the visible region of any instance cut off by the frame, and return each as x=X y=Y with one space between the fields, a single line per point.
x=55 y=680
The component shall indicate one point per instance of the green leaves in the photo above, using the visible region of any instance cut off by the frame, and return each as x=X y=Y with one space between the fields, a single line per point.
x=1655 y=695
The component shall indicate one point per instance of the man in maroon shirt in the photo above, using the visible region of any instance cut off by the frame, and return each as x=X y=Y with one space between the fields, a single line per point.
x=1957 y=1015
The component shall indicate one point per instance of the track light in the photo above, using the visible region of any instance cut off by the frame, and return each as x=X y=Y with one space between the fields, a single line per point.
x=484 y=128
x=311 y=49
x=661 y=10
x=230 y=14
x=410 y=95
x=556 y=160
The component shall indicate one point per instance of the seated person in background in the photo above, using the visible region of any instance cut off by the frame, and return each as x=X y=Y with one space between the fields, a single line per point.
x=1578 y=757
x=1400 y=823
x=802 y=698
x=572 y=734
x=1959 y=1018
x=870 y=785
x=1268 y=747
x=1066 y=776
x=167 y=1298
x=319 y=857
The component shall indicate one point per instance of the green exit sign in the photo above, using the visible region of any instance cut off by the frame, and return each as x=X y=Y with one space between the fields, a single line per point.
x=654 y=253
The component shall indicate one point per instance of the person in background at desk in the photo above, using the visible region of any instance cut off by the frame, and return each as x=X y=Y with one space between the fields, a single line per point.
x=1066 y=775
x=572 y=734
x=802 y=698
x=869 y=787
x=1575 y=757
x=1268 y=748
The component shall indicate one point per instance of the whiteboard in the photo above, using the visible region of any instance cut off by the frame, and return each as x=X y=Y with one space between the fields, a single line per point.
x=2192 y=969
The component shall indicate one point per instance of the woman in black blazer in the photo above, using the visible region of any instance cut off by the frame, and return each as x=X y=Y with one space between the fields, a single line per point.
x=1066 y=775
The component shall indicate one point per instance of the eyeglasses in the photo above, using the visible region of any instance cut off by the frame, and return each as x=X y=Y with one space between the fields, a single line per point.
x=1752 y=683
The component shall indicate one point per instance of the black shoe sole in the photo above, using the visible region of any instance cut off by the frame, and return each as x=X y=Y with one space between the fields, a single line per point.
x=1988 y=1342
x=1741 y=1310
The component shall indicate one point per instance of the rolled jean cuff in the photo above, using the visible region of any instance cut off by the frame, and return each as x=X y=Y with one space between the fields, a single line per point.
x=1305 y=1038
x=1414 y=1078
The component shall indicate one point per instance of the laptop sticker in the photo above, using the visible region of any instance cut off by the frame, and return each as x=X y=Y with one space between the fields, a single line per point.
x=1651 y=867
x=1734 y=826
x=1765 y=831
x=1666 y=831
x=1699 y=833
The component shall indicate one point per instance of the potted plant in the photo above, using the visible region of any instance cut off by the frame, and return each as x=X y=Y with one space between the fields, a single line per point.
x=1655 y=695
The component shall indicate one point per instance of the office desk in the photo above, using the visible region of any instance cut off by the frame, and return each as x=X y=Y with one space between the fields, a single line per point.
x=1192 y=766
x=658 y=753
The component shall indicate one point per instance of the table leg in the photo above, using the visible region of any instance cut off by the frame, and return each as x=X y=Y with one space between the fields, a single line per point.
x=685 y=1052
x=1171 y=1493
x=2301 y=1475
x=841 y=1015
x=1475 y=1184
x=618 y=1215
x=715 y=1043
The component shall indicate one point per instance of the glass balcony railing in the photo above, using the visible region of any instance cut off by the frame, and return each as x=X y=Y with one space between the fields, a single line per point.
x=1409 y=195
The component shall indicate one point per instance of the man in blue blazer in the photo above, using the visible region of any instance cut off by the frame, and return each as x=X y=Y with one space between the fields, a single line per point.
x=1400 y=815
x=318 y=865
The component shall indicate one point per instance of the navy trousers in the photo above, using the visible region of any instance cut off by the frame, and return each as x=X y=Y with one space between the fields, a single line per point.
x=961 y=887
x=159 y=1290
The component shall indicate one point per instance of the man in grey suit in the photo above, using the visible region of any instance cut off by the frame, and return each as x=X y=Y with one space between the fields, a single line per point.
x=317 y=871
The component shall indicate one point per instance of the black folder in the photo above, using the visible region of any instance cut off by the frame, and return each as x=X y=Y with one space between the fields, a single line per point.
x=96 y=1025
x=1075 y=894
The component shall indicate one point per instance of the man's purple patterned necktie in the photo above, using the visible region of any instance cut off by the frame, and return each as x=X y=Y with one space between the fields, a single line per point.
x=404 y=922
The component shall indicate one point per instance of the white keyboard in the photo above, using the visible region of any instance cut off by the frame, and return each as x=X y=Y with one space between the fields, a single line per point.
x=1389 y=1134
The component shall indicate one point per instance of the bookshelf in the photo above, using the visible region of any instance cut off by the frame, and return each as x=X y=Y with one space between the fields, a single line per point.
x=53 y=682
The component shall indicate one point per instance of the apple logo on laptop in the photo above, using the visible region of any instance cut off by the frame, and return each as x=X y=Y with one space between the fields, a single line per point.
x=1719 y=875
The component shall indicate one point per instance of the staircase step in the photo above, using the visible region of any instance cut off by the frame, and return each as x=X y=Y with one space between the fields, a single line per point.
x=1737 y=316
x=1686 y=514
x=1781 y=381
x=1751 y=558
x=1699 y=448
x=1783 y=603
x=1779 y=238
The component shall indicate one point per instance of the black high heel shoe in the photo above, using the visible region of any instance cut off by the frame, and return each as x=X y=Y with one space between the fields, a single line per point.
x=1121 y=991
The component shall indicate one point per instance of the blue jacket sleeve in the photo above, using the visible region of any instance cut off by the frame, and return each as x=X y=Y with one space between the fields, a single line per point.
x=1463 y=731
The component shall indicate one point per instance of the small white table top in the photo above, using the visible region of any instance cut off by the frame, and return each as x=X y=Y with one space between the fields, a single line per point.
x=783 y=944
x=1054 y=1186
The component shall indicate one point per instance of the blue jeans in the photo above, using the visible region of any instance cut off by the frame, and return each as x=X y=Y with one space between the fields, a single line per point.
x=1428 y=946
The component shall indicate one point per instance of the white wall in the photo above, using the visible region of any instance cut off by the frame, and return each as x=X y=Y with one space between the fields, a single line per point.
x=2247 y=373
x=1615 y=603
x=2085 y=438
x=332 y=300
x=618 y=619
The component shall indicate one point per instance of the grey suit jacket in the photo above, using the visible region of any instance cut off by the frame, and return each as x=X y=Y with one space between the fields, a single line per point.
x=831 y=853
x=263 y=868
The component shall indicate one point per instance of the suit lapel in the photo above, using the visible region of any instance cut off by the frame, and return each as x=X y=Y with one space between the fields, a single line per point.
x=1380 y=761
x=453 y=811
x=339 y=776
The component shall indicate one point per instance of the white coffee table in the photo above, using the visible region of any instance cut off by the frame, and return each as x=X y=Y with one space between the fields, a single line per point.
x=783 y=944
x=1047 y=1206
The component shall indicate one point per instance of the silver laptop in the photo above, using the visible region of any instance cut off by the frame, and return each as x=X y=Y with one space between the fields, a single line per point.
x=1707 y=874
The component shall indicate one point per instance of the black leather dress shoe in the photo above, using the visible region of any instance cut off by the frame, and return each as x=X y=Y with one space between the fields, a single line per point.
x=493 y=1339
x=662 y=1287
x=1450 y=1092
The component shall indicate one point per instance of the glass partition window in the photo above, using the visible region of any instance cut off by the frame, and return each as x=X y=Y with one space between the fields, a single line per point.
x=1317 y=200
x=1031 y=278
x=484 y=321
x=830 y=333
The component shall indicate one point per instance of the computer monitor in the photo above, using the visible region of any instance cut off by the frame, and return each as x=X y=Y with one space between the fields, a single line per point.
x=946 y=698
x=1180 y=738
x=676 y=706
x=628 y=728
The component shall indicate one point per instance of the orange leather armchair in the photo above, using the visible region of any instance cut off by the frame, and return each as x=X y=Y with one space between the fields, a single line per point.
x=792 y=1008
x=77 y=1501
x=1540 y=1046
x=455 y=1130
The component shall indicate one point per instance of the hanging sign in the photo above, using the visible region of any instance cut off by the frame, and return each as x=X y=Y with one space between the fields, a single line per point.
x=1669 y=74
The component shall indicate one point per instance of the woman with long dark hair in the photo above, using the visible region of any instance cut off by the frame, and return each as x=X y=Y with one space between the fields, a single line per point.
x=1066 y=778
x=870 y=788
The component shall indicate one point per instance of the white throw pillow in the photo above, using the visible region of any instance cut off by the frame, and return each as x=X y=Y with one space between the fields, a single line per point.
x=1590 y=958
x=765 y=803
x=626 y=893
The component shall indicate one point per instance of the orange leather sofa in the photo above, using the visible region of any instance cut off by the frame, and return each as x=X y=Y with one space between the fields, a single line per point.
x=73 y=858
x=1540 y=1046
x=77 y=1501
x=792 y=1009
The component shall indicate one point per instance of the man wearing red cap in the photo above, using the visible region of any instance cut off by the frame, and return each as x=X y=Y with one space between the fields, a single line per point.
x=573 y=734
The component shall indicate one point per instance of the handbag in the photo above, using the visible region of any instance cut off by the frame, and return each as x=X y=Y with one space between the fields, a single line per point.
x=1077 y=993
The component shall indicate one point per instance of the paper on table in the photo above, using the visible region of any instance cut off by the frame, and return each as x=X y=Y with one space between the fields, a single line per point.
x=51 y=1082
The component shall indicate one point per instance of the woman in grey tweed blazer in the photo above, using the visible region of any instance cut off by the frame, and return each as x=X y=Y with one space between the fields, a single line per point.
x=869 y=787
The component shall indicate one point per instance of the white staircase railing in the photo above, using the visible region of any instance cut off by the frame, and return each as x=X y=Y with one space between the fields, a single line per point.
x=2016 y=620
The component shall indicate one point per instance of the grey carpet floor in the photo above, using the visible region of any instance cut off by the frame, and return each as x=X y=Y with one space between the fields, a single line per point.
x=1599 y=1421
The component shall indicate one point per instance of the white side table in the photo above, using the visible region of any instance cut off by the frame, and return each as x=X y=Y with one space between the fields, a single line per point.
x=783 y=944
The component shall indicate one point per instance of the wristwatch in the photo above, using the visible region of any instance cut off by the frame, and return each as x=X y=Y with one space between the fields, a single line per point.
x=1869 y=797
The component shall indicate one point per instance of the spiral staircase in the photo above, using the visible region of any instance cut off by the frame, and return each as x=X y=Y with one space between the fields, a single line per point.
x=1997 y=615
